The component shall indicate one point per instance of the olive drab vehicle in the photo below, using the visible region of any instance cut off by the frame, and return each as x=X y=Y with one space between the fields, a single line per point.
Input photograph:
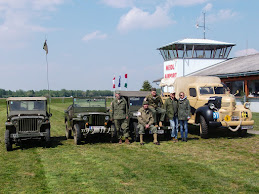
x=211 y=106
x=88 y=116
x=27 y=118
x=135 y=102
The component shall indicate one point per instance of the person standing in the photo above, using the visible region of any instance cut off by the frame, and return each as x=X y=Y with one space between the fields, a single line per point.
x=155 y=104
x=119 y=114
x=184 y=111
x=145 y=122
x=171 y=107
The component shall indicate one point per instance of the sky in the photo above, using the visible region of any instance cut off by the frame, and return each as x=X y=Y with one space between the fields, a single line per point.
x=91 y=41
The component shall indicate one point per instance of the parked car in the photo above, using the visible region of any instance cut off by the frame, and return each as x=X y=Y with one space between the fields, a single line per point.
x=88 y=116
x=27 y=118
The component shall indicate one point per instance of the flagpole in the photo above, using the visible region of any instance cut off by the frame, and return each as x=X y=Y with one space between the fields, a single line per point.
x=45 y=47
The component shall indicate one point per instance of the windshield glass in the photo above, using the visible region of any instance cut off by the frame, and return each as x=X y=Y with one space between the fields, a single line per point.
x=136 y=101
x=26 y=105
x=219 y=90
x=211 y=90
x=89 y=102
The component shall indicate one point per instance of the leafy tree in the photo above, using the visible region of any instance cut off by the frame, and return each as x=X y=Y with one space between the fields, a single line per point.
x=146 y=86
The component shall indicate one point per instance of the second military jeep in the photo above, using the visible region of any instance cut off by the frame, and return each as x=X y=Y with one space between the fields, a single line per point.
x=88 y=116
x=27 y=118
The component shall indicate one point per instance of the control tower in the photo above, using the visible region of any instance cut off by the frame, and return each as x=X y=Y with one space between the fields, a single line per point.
x=190 y=55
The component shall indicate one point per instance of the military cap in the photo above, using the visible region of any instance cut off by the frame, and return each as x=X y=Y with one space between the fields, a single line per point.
x=117 y=92
x=153 y=89
x=145 y=102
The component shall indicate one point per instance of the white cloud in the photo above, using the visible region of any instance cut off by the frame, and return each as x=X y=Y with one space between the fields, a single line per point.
x=208 y=7
x=119 y=3
x=172 y=3
x=223 y=14
x=18 y=16
x=250 y=51
x=139 y=19
x=94 y=35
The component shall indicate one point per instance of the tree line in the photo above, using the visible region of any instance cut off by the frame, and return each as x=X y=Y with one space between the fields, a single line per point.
x=54 y=93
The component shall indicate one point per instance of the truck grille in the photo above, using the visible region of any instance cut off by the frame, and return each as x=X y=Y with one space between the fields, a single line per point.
x=28 y=124
x=98 y=120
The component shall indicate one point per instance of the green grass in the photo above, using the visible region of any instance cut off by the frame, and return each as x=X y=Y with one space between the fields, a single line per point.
x=225 y=163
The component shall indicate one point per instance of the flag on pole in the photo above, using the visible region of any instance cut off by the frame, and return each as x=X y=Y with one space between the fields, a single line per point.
x=45 y=47
x=113 y=82
x=126 y=80
x=119 y=85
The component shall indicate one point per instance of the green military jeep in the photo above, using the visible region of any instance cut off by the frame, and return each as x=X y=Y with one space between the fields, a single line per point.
x=27 y=118
x=88 y=116
x=135 y=100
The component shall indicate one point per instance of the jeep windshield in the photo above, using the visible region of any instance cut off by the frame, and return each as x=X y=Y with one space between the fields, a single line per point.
x=136 y=101
x=211 y=90
x=89 y=102
x=27 y=105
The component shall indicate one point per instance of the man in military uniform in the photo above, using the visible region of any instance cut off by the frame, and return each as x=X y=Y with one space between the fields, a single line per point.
x=171 y=107
x=145 y=122
x=119 y=113
x=155 y=104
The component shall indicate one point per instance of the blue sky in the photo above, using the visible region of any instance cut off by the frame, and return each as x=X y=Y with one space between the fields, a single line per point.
x=90 y=41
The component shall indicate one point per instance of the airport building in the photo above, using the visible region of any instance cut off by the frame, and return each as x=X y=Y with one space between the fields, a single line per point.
x=195 y=57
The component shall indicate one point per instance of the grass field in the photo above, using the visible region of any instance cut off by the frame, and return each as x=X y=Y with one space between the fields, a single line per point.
x=225 y=163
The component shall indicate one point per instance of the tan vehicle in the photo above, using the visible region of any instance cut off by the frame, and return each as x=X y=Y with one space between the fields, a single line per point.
x=211 y=106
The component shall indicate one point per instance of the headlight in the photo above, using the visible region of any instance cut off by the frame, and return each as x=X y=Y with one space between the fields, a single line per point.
x=211 y=106
x=247 y=105
x=107 y=118
x=85 y=118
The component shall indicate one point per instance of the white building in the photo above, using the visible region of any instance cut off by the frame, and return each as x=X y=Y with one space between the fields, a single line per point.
x=190 y=55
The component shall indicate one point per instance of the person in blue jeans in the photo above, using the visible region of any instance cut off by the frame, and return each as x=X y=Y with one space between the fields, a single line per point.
x=184 y=112
x=171 y=107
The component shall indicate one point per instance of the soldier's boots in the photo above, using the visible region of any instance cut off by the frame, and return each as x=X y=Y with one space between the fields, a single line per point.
x=155 y=139
x=120 y=141
x=127 y=141
x=141 y=139
x=160 y=124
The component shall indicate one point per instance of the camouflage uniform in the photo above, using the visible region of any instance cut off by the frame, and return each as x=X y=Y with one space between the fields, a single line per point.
x=145 y=117
x=119 y=111
x=155 y=104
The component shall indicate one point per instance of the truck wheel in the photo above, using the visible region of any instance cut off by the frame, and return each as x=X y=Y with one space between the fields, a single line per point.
x=242 y=133
x=47 y=137
x=68 y=132
x=114 y=137
x=136 y=131
x=8 y=141
x=204 y=128
x=77 y=134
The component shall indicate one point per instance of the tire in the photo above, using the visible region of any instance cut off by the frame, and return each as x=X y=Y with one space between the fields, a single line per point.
x=77 y=134
x=68 y=132
x=204 y=128
x=47 y=137
x=242 y=133
x=114 y=137
x=136 y=132
x=8 y=141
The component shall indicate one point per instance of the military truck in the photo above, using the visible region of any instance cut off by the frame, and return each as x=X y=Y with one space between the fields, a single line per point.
x=211 y=106
x=88 y=116
x=27 y=118
x=135 y=100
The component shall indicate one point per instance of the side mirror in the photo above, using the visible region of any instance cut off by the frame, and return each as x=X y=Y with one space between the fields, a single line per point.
x=50 y=114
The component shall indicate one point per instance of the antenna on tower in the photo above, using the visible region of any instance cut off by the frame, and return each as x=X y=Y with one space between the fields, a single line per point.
x=204 y=27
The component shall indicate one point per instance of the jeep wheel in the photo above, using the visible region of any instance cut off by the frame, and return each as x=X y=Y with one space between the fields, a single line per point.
x=204 y=128
x=242 y=133
x=8 y=141
x=136 y=131
x=47 y=137
x=113 y=134
x=68 y=132
x=77 y=134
